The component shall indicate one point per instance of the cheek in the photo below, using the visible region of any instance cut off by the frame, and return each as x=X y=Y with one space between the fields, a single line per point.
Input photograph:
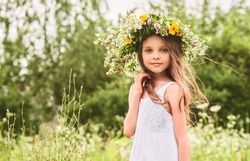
x=147 y=55
x=167 y=57
x=144 y=58
x=146 y=61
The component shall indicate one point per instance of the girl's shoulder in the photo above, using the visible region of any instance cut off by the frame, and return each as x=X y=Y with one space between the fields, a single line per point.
x=132 y=86
x=174 y=86
x=173 y=91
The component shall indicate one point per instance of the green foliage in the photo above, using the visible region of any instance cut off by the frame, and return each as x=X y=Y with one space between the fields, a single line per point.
x=39 y=45
x=107 y=105
x=227 y=83
x=62 y=140
x=213 y=142
x=65 y=138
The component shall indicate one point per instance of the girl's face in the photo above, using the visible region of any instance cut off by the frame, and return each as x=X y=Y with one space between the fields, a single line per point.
x=155 y=54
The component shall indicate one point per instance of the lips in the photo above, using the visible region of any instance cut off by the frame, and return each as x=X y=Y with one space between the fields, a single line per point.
x=155 y=64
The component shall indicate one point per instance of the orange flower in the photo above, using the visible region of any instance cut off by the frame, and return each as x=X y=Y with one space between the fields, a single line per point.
x=143 y=17
x=173 y=28
x=128 y=41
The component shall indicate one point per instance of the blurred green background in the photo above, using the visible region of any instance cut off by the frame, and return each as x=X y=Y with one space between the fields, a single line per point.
x=42 y=41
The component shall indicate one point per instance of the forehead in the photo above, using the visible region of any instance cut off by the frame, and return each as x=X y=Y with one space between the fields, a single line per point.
x=154 y=40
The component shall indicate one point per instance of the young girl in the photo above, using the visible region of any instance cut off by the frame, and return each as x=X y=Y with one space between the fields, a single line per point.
x=161 y=94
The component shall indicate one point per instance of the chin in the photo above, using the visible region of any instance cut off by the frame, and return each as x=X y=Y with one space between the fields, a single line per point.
x=158 y=72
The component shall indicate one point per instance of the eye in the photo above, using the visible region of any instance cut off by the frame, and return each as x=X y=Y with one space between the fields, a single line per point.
x=164 y=50
x=148 y=50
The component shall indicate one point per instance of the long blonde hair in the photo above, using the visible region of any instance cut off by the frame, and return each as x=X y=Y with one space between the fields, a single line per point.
x=179 y=71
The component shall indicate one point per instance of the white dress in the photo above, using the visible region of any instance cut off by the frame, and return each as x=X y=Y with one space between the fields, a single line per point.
x=154 y=138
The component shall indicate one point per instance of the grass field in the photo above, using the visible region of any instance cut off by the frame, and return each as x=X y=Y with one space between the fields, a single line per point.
x=65 y=141
x=68 y=140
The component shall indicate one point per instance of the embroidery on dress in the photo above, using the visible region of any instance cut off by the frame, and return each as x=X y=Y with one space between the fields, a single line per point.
x=155 y=119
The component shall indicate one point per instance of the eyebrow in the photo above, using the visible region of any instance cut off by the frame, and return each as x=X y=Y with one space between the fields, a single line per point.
x=164 y=46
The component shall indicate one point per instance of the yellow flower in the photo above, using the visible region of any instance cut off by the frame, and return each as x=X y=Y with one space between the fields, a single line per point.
x=128 y=41
x=143 y=17
x=179 y=34
x=173 y=28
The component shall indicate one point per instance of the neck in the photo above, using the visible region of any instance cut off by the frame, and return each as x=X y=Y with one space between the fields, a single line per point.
x=160 y=77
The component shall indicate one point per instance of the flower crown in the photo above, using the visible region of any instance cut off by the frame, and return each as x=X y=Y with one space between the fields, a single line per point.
x=122 y=43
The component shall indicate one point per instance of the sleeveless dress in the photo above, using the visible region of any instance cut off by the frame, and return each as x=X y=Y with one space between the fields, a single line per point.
x=154 y=138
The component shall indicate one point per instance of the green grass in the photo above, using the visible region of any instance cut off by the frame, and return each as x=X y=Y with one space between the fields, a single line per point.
x=65 y=139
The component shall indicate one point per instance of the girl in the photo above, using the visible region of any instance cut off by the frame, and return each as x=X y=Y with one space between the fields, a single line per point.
x=161 y=94
x=157 y=110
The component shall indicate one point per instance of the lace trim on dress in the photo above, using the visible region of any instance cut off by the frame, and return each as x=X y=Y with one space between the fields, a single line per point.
x=157 y=117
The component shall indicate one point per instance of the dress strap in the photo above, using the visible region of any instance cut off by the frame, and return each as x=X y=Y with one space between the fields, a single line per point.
x=162 y=90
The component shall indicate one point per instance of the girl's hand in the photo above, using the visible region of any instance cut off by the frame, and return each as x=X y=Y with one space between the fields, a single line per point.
x=139 y=83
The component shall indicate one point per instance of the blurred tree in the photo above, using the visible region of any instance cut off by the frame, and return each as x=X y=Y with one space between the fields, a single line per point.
x=230 y=46
x=105 y=104
x=40 y=42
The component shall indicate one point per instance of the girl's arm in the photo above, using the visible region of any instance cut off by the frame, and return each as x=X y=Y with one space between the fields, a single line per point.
x=131 y=117
x=173 y=96
x=135 y=93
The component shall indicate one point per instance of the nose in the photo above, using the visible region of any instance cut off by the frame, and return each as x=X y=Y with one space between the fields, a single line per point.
x=156 y=55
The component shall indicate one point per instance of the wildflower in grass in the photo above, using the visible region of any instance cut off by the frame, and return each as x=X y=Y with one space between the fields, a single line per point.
x=231 y=117
x=247 y=120
x=215 y=108
x=202 y=106
x=4 y=120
